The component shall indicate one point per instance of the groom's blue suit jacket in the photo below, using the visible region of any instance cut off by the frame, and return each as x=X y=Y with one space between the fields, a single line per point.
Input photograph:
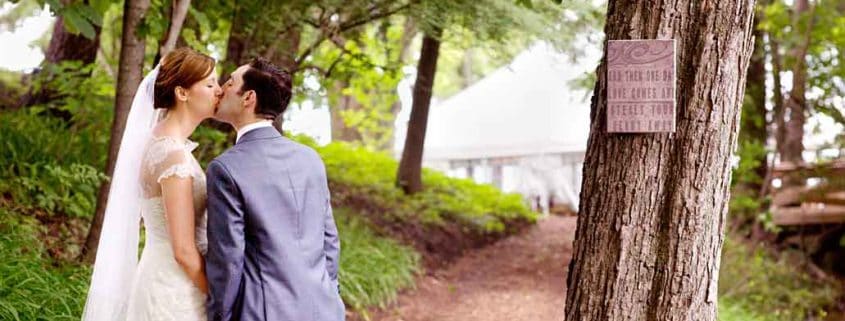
x=273 y=245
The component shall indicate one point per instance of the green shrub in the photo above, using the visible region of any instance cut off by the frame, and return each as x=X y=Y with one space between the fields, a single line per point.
x=774 y=289
x=212 y=143
x=372 y=269
x=730 y=311
x=372 y=175
x=69 y=190
x=54 y=163
x=46 y=165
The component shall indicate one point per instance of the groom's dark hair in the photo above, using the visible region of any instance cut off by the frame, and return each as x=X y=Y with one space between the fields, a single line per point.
x=272 y=87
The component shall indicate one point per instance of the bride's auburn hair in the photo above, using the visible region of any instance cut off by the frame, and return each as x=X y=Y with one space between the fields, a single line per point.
x=181 y=67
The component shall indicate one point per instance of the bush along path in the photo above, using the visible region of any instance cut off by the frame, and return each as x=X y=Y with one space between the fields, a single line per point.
x=522 y=277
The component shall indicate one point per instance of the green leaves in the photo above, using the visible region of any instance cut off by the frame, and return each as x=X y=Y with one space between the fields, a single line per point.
x=79 y=18
x=824 y=60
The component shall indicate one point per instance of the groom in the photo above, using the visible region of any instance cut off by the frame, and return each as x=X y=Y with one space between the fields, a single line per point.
x=273 y=246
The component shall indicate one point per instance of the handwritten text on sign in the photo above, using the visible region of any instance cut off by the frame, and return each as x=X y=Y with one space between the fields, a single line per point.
x=640 y=86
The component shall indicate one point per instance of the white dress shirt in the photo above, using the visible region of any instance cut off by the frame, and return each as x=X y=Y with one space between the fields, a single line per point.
x=255 y=125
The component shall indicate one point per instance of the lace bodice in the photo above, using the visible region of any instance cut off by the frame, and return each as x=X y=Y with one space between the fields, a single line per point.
x=161 y=291
x=167 y=157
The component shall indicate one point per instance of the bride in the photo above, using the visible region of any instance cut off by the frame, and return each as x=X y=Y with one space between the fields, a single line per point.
x=157 y=177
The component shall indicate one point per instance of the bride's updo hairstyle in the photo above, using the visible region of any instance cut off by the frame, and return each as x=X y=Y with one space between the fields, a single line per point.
x=181 y=67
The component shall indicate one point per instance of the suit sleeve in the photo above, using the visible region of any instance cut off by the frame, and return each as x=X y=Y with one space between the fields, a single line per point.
x=225 y=258
x=331 y=241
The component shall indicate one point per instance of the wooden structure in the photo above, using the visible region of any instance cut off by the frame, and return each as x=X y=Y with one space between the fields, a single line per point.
x=821 y=201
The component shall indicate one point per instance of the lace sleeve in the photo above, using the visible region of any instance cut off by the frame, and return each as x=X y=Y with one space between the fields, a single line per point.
x=166 y=158
x=178 y=170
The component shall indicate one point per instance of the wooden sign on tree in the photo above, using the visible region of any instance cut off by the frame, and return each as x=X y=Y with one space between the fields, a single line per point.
x=640 y=86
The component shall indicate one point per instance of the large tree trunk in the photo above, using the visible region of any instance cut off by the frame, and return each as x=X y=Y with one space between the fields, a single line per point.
x=650 y=224
x=283 y=53
x=64 y=46
x=128 y=78
x=796 y=104
x=279 y=46
x=409 y=176
x=237 y=43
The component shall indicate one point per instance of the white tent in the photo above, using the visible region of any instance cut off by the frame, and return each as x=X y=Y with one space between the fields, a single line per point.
x=524 y=108
x=522 y=128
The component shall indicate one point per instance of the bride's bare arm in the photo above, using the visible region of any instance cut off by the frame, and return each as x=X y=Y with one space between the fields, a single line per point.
x=179 y=209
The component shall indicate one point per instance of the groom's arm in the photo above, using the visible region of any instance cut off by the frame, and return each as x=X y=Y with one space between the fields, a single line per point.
x=225 y=259
x=331 y=241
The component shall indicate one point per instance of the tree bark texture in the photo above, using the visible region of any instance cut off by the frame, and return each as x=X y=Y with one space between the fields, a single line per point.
x=796 y=103
x=129 y=77
x=409 y=177
x=652 y=210
x=64 y=46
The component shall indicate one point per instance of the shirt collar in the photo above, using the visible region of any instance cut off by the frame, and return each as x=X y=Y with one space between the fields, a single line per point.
x=255 y=125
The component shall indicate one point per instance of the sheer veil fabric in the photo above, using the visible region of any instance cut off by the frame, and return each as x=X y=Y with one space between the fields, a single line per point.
x=117 y=253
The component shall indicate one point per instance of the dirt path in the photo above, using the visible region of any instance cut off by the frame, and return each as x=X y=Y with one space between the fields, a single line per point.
x=519 y=278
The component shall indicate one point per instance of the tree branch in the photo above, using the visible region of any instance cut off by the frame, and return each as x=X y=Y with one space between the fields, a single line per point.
x=364 y=20
x=307 y=52
x=359 y=56
x=314 y=67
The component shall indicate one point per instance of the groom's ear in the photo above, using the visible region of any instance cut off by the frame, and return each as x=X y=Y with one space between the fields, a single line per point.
x=250 y=99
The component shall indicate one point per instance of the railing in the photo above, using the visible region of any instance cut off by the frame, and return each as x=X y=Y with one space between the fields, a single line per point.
x=821 y=200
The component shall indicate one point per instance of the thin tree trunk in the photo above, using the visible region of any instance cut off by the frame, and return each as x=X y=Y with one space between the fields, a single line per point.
x=796 y=104
x=650 y=225
x=409 y=176
x=754 y=125
x=340 y=130
x=64 y=46
x=340 y=102
x=128 y=78
x=467 y=77
x=777 y=94
x=408 y=34
x=178 y=13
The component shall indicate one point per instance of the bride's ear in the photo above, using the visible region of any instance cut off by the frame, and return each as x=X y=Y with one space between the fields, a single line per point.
x=180 y=93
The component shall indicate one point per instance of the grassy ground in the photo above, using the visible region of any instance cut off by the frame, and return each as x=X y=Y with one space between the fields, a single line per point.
x=32 y=285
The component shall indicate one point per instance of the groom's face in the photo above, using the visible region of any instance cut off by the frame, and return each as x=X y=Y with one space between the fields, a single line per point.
x=232 y=103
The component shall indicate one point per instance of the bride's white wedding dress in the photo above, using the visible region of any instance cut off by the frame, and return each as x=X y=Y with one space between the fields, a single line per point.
x=161 y=290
